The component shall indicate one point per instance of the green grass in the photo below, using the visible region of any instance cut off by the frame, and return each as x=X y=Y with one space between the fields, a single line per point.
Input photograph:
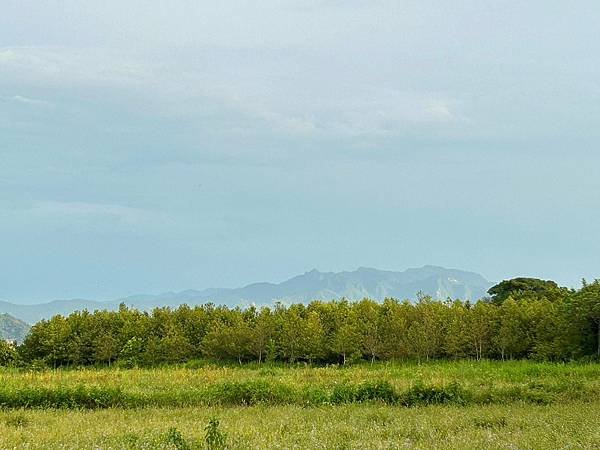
x=436 y=405
x=341 y=427
x=397 y=384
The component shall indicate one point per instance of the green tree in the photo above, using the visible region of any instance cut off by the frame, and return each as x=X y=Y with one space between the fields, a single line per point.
x=293 y=333
x=8 y=353
x=394 y=326
x=346 y=340
x=482 y=325
x=513 y=333
x=314 y=345
x=457 y=342
x=229 y=340
x=367 y=317
x=587 y=306
x=519 y=288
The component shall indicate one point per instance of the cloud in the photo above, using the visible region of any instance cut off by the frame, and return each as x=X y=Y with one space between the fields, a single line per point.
x=171 y=106
x=99 y=218
x=63 y=66
x=439 y=110
x=23 y=100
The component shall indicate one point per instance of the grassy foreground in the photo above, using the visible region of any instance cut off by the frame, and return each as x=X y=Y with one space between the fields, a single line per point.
x=350 y=426
x=437 y=405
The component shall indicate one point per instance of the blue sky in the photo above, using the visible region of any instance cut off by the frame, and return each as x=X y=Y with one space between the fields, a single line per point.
x=147 y=147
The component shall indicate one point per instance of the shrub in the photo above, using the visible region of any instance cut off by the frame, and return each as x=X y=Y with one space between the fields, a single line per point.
x=420 y=394
x=215 y=439
x=176 y=439
x=250 y=393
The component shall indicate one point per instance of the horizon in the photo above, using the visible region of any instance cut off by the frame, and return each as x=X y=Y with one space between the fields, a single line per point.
x=200 y=289
x=147 y=148
x=32 y=302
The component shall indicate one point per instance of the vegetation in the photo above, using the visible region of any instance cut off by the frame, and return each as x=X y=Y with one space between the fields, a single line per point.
x=462 y=404
x=512 y=371
x=525 y=318
x=8 y=353
x=369 y=426
x=398 y=384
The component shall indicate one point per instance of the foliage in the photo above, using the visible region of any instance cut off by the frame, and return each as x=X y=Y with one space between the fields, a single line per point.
x=406 y=384
x=8 y=353
x=527 y=318
x=526 y=287
x=215 y=439
x=358 y=425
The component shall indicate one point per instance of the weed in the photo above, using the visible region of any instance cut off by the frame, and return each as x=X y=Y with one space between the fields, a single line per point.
x=215 y=439
x=176 y=439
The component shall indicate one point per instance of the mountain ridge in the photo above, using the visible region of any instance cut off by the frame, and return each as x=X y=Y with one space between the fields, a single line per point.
x=436 y=281
x=12 y=328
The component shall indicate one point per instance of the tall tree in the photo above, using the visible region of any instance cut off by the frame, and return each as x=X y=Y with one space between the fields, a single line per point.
x=587 y=303
x=523 y=288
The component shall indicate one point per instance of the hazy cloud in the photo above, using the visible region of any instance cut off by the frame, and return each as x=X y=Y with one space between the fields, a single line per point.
x=226 y=142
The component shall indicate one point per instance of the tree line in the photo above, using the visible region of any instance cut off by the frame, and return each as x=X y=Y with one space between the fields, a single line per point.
x=523 y=318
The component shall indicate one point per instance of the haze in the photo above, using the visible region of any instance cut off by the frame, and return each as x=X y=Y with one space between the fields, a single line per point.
x=154 y=146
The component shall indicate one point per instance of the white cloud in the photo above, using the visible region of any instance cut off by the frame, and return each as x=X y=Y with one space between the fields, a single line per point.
x=24 y=100
x=101 y=218
x=64 y=66
x=225 y=102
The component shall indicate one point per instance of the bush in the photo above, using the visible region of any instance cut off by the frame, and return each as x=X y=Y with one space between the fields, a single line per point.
x=250 y=393
x=176 y=439
x=420 y=394
x=381 y=391
x=62 y=397
x=8 y=354
x=215 y=439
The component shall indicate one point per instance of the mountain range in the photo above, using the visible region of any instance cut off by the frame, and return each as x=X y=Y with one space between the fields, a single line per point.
x=438 y=282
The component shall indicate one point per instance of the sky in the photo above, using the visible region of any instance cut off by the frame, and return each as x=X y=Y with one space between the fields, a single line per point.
x=156 y=146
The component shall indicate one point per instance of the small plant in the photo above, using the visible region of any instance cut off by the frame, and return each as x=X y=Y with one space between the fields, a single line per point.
x=175 y=438
x=215 y=439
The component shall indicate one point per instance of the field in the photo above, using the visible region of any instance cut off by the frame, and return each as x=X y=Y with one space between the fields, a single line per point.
x=435 y=405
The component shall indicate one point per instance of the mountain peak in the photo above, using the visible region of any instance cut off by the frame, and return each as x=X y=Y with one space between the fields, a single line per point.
x=435 y=281
x=12 y=328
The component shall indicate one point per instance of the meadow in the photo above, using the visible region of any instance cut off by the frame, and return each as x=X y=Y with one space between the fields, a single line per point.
x=443 y=404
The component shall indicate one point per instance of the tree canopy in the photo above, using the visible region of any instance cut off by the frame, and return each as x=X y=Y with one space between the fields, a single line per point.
x=526 y=288
x=527 y=318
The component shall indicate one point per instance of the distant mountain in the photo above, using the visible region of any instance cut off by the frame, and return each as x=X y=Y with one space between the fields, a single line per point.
x=364 y=282
x=13 y=329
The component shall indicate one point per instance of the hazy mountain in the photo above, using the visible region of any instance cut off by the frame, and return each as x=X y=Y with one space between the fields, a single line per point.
x=13 y=329
x=436 y=281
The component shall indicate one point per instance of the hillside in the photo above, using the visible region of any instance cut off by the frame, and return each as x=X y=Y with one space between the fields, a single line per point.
x=438 y=282
x=11 y=328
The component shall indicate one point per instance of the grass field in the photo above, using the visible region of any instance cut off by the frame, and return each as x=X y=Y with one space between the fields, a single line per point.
x=453 y=405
